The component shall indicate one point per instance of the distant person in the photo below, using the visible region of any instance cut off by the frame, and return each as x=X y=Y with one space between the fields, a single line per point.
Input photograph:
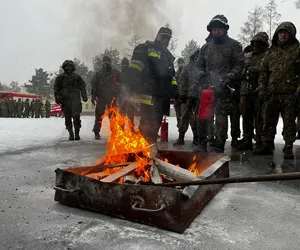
x=48 y=108
x=26 y=108
x=69 y=88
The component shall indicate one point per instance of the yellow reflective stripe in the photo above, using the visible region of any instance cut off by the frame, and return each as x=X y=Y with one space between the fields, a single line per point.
x=143 y=101
x=135 y=66
x=153 y=54
x=174 y=82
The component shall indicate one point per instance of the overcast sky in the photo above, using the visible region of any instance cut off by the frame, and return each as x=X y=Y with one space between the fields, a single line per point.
x=43 y=33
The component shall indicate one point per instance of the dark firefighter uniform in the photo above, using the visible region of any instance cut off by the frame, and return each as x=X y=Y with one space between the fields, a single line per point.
x=177 y=102
x=153 y=76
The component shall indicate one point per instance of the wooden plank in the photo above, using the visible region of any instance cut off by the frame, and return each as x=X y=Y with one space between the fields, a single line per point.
x=117 y=175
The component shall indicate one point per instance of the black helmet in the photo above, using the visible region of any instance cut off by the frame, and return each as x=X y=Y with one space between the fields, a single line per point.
x=68 y=62
x=180 y=60
x=218 y=21
x=106 y=59
x=165 y=31
x=125 y=61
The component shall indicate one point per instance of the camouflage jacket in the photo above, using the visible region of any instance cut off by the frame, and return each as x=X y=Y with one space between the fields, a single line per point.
x=280 y=68
x=188 y=84
x=69 y=88
x=218 y=61
x=105 y=85
x=251 y=73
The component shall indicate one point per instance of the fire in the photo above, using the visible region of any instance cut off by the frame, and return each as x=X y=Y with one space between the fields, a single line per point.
x=193 y=168
x=125 y=139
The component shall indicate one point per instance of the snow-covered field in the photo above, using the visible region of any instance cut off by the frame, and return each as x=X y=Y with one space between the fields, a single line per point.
x=18 y=133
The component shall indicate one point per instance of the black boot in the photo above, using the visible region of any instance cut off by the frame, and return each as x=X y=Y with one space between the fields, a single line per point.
x=97 y=136
x=71 y=135
x=234 y=143
x=202 y=146
x=288 y=151
x=245 y=145
x=266 y=149
x=77 y=137
x=180 y=140
x=219 y=148
x=196 y=141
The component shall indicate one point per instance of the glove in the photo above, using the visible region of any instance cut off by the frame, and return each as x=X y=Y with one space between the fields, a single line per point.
x=85 y=99
x=93 y=102
x=182 y=98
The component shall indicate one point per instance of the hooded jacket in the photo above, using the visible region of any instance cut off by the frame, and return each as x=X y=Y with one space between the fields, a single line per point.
x=280 y=68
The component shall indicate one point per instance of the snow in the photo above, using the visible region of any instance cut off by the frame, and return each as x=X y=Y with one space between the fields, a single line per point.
x=19 y=134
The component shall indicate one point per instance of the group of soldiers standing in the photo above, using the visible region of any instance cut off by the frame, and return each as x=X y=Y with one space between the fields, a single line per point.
x=24 y=109
x=260 y=83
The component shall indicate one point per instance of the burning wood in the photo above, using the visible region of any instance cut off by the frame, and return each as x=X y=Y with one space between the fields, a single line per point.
x=155 y=175
x=117 y=175
x=130 y=179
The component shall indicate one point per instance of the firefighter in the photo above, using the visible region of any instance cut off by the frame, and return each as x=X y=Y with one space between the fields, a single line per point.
x=104 y=89
x=152 y=74
x=69 y=89
x=177 y=102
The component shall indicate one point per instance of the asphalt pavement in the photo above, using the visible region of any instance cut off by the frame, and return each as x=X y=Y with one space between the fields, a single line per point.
x=241 y=216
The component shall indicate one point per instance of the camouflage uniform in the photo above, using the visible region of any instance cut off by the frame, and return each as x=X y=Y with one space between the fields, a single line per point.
x=20 y=107
x=5 y=112
x=220 y=63
x=153 y=76
x=278 y=82
x=47 y=107
x=32 y=108
x=104 y=89
x=11 y=108
x=188 y=90
x=177 y=102
x=38 y=108
x=250 y=104
x=126 y=107
x=26 y=108
x=69 y=88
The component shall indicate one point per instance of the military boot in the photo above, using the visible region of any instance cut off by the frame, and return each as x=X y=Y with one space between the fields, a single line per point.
x=196 y=141
x=97 y=135
x=266 y=149
x=180 y=140
x=246 y=145
x=219 y=147
x=288 y=151
x=234 y=143
x=202 y=146
x=77 y=137
x=71 y=135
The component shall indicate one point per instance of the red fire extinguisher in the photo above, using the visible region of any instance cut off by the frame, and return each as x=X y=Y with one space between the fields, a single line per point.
x=164 y=130
x=206 y=107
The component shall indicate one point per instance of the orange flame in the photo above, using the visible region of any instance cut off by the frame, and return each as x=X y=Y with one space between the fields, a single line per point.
x=193 y=168
x=125 y=139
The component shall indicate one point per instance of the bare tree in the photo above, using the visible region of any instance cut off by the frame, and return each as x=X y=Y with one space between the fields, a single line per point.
x=135 y=40
x=271 y=16
x=252 y=26
x=189 y=49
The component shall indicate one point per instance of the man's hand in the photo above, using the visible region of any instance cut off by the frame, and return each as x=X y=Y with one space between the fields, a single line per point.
x=85 y=99
x=93 y=102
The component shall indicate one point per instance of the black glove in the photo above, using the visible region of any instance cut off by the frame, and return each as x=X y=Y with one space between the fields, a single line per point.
x=58 y=100
x=93 y=102
x=85 y=99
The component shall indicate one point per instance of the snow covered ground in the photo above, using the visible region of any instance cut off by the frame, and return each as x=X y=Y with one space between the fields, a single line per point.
x=18 y=133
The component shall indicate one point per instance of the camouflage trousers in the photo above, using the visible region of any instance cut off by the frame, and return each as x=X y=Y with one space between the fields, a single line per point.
x=250 y=107
x=177 y=107
x=273 y=106
x=72 y=111
x=223 y=108
x=189 y=116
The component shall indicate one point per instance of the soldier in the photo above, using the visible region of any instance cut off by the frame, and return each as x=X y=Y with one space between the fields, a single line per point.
x=177 y=103
x=188 y=90
x=279 y=87
x=250 y=105
x=153 y=76
x=69 y=88
x=104 y=89
x=48 y=108
x=11 y=104
x=32 y=108
x=5 y=107
x=19 y=108
x=26 y=108
x=38 y=108
x=43 y=110
x=126 y=107
x=221 y=62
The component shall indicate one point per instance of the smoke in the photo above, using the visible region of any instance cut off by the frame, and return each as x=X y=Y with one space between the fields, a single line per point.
x=101 y=24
